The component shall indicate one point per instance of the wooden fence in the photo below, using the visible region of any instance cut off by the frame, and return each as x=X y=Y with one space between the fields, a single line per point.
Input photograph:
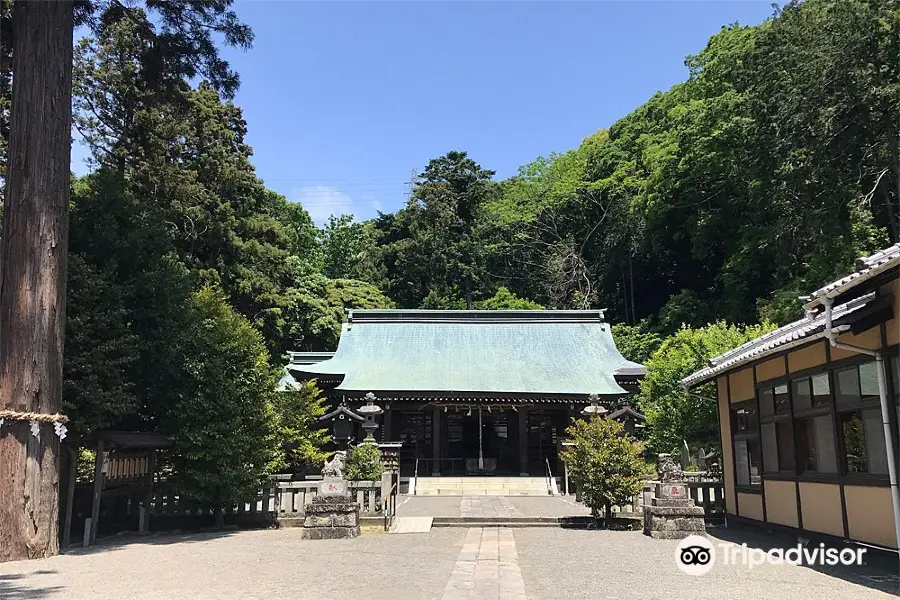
x=708 y=494
x=281 y=499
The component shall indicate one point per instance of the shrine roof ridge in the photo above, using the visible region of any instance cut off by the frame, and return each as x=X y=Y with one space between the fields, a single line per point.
x=472 y=316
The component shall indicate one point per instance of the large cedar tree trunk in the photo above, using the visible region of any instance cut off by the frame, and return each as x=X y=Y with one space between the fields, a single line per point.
x=33 y=274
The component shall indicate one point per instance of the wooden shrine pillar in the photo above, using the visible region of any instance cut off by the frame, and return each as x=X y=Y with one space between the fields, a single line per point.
x=523 y=441
x=99 y=476
x=436 y=441
x=72 y=473
x=386 y=430
x=144 y=525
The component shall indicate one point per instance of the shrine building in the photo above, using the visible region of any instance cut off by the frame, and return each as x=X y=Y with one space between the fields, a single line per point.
x=475 y=391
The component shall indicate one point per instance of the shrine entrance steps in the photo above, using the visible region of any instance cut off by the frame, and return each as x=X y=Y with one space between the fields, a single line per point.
x=482 y=486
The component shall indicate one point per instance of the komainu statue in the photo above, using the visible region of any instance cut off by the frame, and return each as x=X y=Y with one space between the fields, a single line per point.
x=335 y=466
x=668 y=469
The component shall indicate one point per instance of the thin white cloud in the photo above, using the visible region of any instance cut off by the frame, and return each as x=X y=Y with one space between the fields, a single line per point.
x=322 y=201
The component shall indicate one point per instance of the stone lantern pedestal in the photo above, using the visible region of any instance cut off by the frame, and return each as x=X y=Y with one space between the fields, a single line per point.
x=332 y=514
x=672 y=514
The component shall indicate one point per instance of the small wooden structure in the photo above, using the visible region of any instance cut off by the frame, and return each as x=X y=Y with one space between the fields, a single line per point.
x=125 y=465
x=631 y=420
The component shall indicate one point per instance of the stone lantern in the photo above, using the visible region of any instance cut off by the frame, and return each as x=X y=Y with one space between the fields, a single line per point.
x=369 y=411
x=594 y=409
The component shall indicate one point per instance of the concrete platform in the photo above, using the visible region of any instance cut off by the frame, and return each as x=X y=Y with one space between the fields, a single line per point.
x=512 y=506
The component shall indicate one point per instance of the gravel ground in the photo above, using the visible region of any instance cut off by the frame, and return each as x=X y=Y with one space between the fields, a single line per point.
x=554 y=563
x=595 y=565
x=244 y=565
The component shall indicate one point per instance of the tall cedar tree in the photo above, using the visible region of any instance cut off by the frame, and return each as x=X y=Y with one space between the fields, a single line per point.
x=35 y=225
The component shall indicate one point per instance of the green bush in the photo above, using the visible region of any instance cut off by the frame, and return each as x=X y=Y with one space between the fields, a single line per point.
x=364 y=463
x=606 y=464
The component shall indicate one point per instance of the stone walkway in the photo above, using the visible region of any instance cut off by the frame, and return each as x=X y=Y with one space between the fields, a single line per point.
x=487 y=567
x=487 y=507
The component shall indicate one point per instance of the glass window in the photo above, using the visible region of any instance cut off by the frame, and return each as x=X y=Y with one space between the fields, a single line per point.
x=778 y=446
x=815 y=445
x=868 y=381
x=786 y=450
x=782 y=406
x=802 y=396
x=864 y=448
x=847 y=381
x=747 y=457
x=766 y=401
x=769 y=447
x=821 y=390
x=744 y=418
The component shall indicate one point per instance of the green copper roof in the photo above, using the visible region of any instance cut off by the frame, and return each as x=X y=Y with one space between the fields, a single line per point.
x=568 y=353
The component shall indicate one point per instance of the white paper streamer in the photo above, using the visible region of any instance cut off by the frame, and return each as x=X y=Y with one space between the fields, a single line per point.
x=35 y=428
x=60 y=430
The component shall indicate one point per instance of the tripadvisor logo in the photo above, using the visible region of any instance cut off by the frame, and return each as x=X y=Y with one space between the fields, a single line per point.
x=696 y=555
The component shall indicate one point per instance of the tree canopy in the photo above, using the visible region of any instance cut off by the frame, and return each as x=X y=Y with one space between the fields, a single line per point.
x=695 y=220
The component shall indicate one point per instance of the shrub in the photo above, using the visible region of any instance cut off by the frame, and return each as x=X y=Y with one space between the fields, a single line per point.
x=605 y=463
x=364 y=463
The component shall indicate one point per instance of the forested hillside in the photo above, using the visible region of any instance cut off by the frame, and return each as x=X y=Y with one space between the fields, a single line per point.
x=722 y=199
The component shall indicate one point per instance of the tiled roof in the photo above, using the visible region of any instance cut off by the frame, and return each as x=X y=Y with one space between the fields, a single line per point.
x=810 y=327
x=867 y=268
x=802 y=331
x=427 y=352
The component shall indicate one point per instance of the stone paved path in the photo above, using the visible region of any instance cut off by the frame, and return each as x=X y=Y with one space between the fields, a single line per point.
x=487 y=507
x=487 y=567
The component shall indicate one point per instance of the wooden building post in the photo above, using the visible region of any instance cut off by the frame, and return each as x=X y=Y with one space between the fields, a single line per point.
x=73 y=452
x=436 y=441
x=387 y=431
x=523 y=441
x=99 y=476
x=148 y=492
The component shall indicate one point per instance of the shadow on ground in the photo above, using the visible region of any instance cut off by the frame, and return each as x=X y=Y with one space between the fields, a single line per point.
x=879 y=571
x=13 y=586
x=118 y=542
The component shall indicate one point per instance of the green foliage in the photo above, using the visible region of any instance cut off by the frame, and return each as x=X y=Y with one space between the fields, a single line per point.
x=672 y=413
x=364 y=463
x=506 y=300
x=635 y=343
x=84 y=468
x=606 y=464
x=300 y=439
x=433 y=244
x=761 y=177
x=320 y=307
x=223 y=423
x=349 y=250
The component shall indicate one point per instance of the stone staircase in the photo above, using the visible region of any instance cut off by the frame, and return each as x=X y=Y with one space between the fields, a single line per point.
x=482 y=486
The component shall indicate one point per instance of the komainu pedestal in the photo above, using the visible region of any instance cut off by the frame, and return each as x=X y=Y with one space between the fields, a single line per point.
x=672 y=513
x=332 y=514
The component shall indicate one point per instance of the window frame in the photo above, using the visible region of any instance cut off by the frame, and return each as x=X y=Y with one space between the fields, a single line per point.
x=827 y=408
x=749 y=434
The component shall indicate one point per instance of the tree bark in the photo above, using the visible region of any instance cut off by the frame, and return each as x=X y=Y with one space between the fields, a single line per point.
x=33 y=254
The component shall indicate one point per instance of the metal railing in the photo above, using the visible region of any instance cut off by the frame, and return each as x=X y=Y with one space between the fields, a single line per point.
x=390 y=505
x=551 y=483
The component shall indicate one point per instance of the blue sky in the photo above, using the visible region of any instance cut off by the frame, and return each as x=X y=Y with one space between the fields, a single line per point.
x=344 y=99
